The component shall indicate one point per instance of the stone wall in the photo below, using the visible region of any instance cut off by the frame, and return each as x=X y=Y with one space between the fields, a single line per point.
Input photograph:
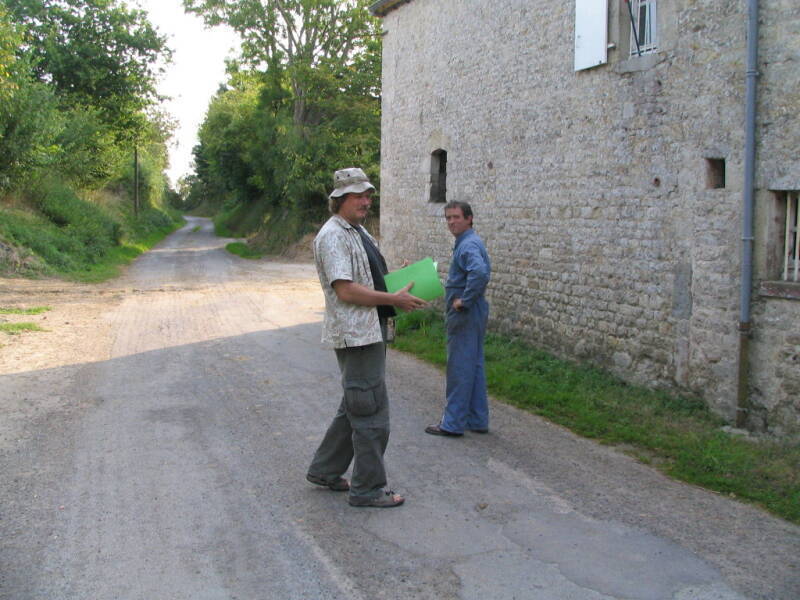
x=592 y=188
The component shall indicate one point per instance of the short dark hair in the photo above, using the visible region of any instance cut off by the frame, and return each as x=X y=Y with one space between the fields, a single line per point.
x=466 y=209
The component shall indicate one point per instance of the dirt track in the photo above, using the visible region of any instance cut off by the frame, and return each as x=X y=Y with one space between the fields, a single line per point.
x=153 y=444
x=77 y=326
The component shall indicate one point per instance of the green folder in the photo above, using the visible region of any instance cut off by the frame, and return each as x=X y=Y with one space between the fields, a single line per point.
x=423 y=273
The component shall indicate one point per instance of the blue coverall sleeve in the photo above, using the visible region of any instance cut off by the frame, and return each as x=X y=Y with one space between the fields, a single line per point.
x=472 y=262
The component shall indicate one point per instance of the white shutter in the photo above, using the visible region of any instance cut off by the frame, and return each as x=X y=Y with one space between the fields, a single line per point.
x=591 y=33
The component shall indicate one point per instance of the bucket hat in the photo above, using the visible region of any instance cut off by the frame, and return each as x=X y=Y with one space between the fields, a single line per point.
x=350 y=181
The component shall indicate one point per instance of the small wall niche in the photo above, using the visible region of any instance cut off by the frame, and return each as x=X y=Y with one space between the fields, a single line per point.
x=438 y=192
x=715 y=173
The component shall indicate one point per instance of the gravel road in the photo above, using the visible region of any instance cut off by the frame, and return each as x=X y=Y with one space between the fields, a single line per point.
x=154 y=441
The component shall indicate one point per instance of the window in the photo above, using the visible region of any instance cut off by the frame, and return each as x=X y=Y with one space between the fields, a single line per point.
x=439 y=176
x=791 y=240
x=644 y=26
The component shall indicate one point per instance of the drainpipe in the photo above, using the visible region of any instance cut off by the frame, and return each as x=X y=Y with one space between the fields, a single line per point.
x=742 y=403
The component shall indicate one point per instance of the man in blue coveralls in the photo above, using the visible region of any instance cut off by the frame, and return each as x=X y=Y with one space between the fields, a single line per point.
x=467 y=314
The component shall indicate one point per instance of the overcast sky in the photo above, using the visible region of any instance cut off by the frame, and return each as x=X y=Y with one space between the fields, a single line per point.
x=194 y=76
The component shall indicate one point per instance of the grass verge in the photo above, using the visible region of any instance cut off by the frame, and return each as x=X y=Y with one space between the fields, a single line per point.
x=17 y=328
x=242 y=250
x=37 y=310
x=109 y=265
x=676 y=435
x=52 y=229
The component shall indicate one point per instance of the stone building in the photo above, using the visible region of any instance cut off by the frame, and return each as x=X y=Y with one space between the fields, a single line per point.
x=607 y=171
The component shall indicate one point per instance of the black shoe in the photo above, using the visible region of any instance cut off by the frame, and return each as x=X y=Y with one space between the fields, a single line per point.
x=437 y=430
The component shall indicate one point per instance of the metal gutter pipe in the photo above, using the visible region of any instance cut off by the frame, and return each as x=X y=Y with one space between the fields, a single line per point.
x=745 y=295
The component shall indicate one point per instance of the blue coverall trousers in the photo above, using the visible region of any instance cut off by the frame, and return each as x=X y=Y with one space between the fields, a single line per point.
x=467 y=405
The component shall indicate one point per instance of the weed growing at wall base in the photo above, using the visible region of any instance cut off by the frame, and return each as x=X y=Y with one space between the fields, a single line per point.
x=675 y=434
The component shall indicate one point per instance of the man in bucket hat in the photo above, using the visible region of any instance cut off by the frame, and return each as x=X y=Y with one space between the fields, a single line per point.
x=357 y=306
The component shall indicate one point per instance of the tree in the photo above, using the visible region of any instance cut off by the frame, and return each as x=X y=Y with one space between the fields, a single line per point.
x=29 y=117
x=227 y=134
x=29 y=124
x=303 y=101
x=95 y=53
x=10 y=39
x=304 y=37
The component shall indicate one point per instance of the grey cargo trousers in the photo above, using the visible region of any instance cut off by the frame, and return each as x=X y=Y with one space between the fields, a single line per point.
x=360 y=430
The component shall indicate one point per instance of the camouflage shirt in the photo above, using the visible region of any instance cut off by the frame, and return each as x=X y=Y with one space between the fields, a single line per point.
x=339 y=254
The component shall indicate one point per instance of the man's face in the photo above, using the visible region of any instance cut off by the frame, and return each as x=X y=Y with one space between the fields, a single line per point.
x=355 y=207
x=456 y=222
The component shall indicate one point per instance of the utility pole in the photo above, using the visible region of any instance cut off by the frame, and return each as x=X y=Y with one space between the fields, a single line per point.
x=136 y=180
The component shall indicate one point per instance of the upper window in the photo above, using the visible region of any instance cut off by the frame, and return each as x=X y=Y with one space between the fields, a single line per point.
x=791 y=240
x=644 y=26
x=438 y=176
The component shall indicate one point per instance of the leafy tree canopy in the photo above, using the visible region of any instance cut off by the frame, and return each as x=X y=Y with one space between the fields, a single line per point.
x=96 y=53
x=305 y=37
x=307 y=31
x=10 y=40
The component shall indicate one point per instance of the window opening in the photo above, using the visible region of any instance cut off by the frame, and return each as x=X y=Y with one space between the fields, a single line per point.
x=715 y=173
x=439 y=176
x=644 y=38
x=791 y=239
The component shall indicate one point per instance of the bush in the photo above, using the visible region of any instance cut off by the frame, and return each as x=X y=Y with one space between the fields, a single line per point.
x=43 y=238
x=153 y=219
x=280 y=229
x=89 y=154
x=29 y=124
x=242 y=250
x=81 y=221
x=15 y=260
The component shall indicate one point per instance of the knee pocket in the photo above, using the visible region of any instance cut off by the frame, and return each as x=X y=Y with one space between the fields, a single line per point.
x=364 y=400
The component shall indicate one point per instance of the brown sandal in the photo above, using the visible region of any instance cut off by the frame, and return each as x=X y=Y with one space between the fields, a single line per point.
x=386 y=500
x=340 y=484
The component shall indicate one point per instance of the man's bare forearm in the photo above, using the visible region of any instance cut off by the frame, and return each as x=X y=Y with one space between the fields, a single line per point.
x=355 y=293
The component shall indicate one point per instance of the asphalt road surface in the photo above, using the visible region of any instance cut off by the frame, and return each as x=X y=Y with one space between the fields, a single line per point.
x=178 y=472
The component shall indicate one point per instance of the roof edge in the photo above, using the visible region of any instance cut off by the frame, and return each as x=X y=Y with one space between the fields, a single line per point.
x=384 y=7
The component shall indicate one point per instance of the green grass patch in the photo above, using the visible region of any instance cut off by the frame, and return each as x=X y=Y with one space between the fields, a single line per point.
x=53 y=228
x=281 y=228
x=119 y=256
x=37 y=310
x=242 y=250
x=17 y=328
x=675 y=434
x=196 y=228
x=62 y=255
x=239 y=220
